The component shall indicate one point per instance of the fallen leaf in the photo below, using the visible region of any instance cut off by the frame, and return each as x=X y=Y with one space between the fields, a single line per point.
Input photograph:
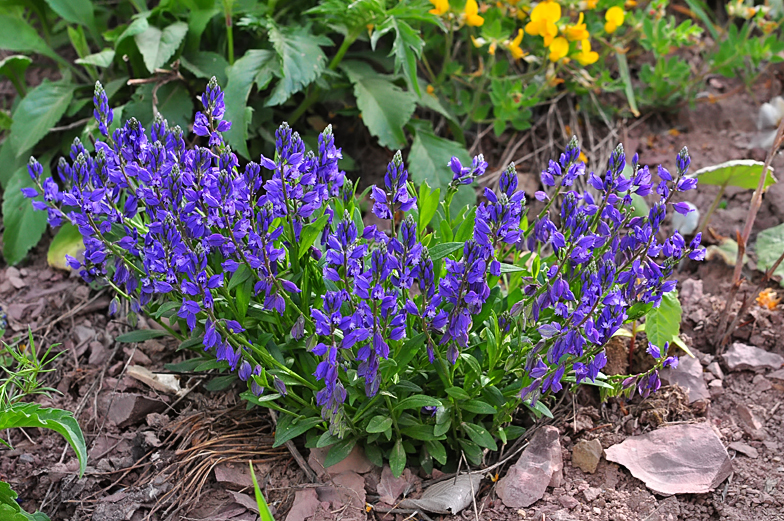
x=447 y=497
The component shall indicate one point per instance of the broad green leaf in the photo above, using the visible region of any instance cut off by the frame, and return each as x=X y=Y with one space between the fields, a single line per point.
x=374 y=454
x=140 y=335
x=19 y=36
x=23 y=225
x=197 y=22
x=457 y=393
x=339 y=451
x=770 y=246
x=385 y=107
x=62 y=422
x=480 y=436
x=38 y=112
x=428 y=162
x=301 y=58
x=289 y=428
x=99 y=59
x=441 y=250
x=158 y=46
x=726 y=251
x=13 y=165
x=421 y=433
x=14 y=67
x=205 y=64
x=68 y=241
x=241 y=76
x=662 y=324
x=175 y=104
x=416 y=401
x=74 y=11
x=437 y=450
x=264 y=511
x=406 y=48
x=743 y=173
x=397 y=459
x=310 y=233
x=472 y=451
x=5 y=120
x=138 y=26
x=379 y=424
x=477 y=407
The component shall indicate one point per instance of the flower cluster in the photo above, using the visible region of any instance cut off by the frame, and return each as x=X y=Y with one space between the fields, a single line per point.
x=269 y=266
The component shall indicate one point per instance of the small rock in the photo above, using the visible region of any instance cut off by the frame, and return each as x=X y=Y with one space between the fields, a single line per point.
x=597 y=510
x=761 y=384
x=715 y=369
x=586 y=455
x=235 y=474
x=390 y=488
x=676 y=459
x=84 y=333
x=568 y=502
x=356 y=461
x=128 y=409
x=592 y=493
x=526 y=481
x=16 y=282
x=98 y=353
x=716 y=388
x=687 y=375
x=741 y=357
x=750 y=423
x=349 y=489
x=305 y=504
x=558 y=515
x=777 y=375
x=743 y=448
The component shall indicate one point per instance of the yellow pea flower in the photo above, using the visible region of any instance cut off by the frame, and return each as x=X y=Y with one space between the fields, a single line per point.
x=431 y=90
x=559 y=48
x=630 y=3
x=543 y=18
x=472 y=17
x=577 y=31
x=586 y=56
x=582 y=157
x=440 y=7
x=514 y=46
x=614 y=16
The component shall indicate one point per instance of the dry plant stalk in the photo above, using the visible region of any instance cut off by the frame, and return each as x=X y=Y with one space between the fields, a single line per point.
x=724 y=331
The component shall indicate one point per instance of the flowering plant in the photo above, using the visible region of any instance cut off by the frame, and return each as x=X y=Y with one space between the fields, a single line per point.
x=415 y=338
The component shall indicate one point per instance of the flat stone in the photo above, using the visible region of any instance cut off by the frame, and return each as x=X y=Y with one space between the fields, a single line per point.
x=305 y=504
x=740 y=357
x=716 y=388
x=715 y=370
x=586 y=455
x=128 y=408
x=17 y=282
x=743 y=448
x=750 y=423
x=677 y=459
x=592 y=493
x=234 y=474
x=777 y=375
x=348 y=489
x=687 y=375
x=761 y=384
x=568 y=501
x=527 y=480
x=355 y=461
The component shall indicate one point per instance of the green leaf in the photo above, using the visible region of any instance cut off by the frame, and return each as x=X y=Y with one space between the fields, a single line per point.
x=439 y=251
x=416 y=401
x=310 y=233
x=173 y=102
x=62 y=422
x=379 y=424
x=437 y=450
x=374 y=454
x=623 y=69
x=406 y=48
x=385 y=107
x=140 y=335
x=662 y=324
x=290 y=427
x=238 y=277
x=158 y=46
x=457 y=393
x=301 y=58
x=421 y=432
x=74 y=11
x=743 y=173
x=99 y=59
x=264 y=511
x=477 y=407
x=638 y=310
x=14 y=67
x=68 y=241
x=339 y=451
x=255 y=64
x=19 y=36
x=428 y=162
x=38 y=112
x=428 y=205
x=23 y=225
x=770 y=246
x=472 y=451
x=205 y=64
x=397 y=459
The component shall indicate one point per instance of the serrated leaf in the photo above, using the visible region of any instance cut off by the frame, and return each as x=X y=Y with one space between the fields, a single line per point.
x=158 y=46
x=38 y=112
x=23 y=225
x=140 y=335
x=99 y=59
x=241 y=77
x=68 y=241
x=428 y=162
x=662 y=324
x=301 y=58
x=205 y=64
x=770 y=246
x=385 y=107
x=62 y=422
x=397 y=459
x=19 y=36
x=743 y=173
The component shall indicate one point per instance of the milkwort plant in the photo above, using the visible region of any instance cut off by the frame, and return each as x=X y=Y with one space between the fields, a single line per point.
x=416 y=338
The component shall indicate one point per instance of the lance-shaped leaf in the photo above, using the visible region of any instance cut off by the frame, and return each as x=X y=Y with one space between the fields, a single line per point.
x=38 y=112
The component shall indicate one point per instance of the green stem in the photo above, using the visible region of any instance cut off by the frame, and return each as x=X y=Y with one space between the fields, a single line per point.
x=227 y=5
x=394 y=420
x=712 y=209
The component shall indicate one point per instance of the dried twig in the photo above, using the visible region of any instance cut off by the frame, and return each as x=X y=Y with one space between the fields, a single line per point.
x=295 y=453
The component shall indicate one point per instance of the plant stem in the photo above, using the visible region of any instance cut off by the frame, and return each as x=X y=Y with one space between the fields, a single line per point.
x=712 y=209
x=227 y=5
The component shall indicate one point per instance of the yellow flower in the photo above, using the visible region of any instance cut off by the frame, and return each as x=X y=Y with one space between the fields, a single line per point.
x=577 y=31
x=588 y=4
x=514 y=46
x=543 y=18
x=440 y=7
x=472 y=17
x=614 y=17
x=583 y=157
x=767 y=299
x=559 y=48
x=586 y=55
x=630 y=3
x=431 y=90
